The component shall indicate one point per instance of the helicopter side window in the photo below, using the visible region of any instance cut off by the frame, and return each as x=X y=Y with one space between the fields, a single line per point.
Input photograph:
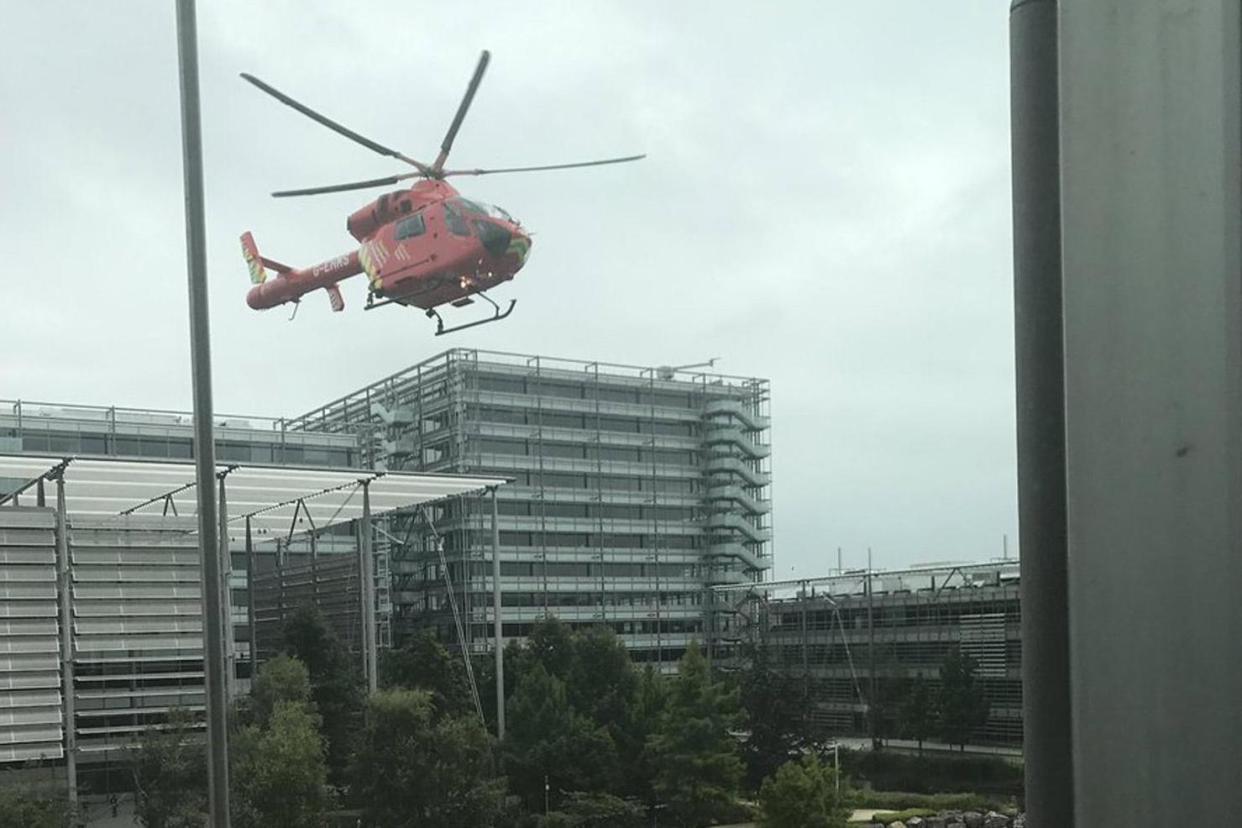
x=413 y=226
x=455 y=223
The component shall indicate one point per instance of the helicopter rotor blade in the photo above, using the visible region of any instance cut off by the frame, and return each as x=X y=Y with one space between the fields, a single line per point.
x=462 y=108
x=353 y=185
x=599 y=163
x=333 y=125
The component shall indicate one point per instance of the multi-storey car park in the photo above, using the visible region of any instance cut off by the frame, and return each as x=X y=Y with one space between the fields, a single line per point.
x=632 y=490
x=855 y=637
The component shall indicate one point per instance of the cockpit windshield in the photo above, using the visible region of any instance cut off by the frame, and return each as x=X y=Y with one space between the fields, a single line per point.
x=465 y=205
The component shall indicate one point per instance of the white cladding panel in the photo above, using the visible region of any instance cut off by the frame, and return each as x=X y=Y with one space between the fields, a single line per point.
x=31 y=708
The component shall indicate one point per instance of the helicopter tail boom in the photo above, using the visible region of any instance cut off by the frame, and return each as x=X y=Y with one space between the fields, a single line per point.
x=291 y=284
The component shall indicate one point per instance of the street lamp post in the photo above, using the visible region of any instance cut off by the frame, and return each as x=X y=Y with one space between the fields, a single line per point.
x=204 y=445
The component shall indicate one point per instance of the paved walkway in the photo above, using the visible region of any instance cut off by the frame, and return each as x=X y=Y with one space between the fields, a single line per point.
x=858 y=816
x=98 y=813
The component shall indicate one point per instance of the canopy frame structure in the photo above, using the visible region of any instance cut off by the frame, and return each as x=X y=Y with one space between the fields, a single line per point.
x=264 y=503
x=280 y=501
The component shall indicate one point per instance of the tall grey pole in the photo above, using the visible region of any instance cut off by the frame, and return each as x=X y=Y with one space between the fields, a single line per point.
x=226 y=587
x=250 y=571
x=67 y=663
x=368 y=592
x=872 y=708
x=1038 y=347
x=497 y=628
x=1151 y=239
x=204 y=445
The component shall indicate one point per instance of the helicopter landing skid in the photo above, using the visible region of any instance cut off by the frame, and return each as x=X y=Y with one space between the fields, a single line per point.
x=496 y=316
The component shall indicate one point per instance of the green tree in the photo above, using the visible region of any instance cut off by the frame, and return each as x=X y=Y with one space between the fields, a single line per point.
x=551 y=645
x=415 y=767
x=694 y=753
x=335 y=684
x=600 y=810
x=485 y=678
x=646 y=714
x=918 y=713
x=281 y=679
x=278 y=770
x=773 y=701
x=601 y=682
x=963 y=706
x=423 y=663
x=170 y=774
x=801 y=794
x=548 y=743
x=21 y=807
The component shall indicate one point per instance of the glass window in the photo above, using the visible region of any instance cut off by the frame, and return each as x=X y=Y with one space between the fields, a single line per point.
x=508 y=385
x=454 y=222
x=94 y=444
x=465 y=205
x=67 y=443
x=498 y=212
x=315 y=456
x=233 y=451
x=564 y=450
x=413 y=226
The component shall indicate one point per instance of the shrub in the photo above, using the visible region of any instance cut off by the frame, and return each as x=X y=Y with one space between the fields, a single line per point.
x=889 y=817
x=933 y=774
x=899 y=801
x=801 y=795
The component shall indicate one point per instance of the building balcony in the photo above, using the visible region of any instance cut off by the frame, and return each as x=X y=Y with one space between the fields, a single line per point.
x=521 y=462
x=717 y=435
x=573 y=404
x=398 y=415
x=727 y=576
x=550 y=523
x=727 y=464
x=732 y=492
x=737 y=523
x=524 y=494
x=594 y=612
x=737 y=410
x=584 y=436
x=742 y=553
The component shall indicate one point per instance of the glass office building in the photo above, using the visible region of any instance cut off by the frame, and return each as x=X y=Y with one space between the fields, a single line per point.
x=633 y=490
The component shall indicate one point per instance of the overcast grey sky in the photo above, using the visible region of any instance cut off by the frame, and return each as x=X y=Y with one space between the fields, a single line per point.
x=825 y=203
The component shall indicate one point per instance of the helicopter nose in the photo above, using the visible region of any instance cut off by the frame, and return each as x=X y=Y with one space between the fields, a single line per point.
x=495 y=238
x=520 y=247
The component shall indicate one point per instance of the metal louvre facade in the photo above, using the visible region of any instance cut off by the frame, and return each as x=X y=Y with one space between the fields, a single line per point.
x=137 y=626
x=31 y=705
x=330 y=583
x=857 y=640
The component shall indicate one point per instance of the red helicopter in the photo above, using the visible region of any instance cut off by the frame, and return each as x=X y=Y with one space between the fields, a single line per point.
x=426 y=246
